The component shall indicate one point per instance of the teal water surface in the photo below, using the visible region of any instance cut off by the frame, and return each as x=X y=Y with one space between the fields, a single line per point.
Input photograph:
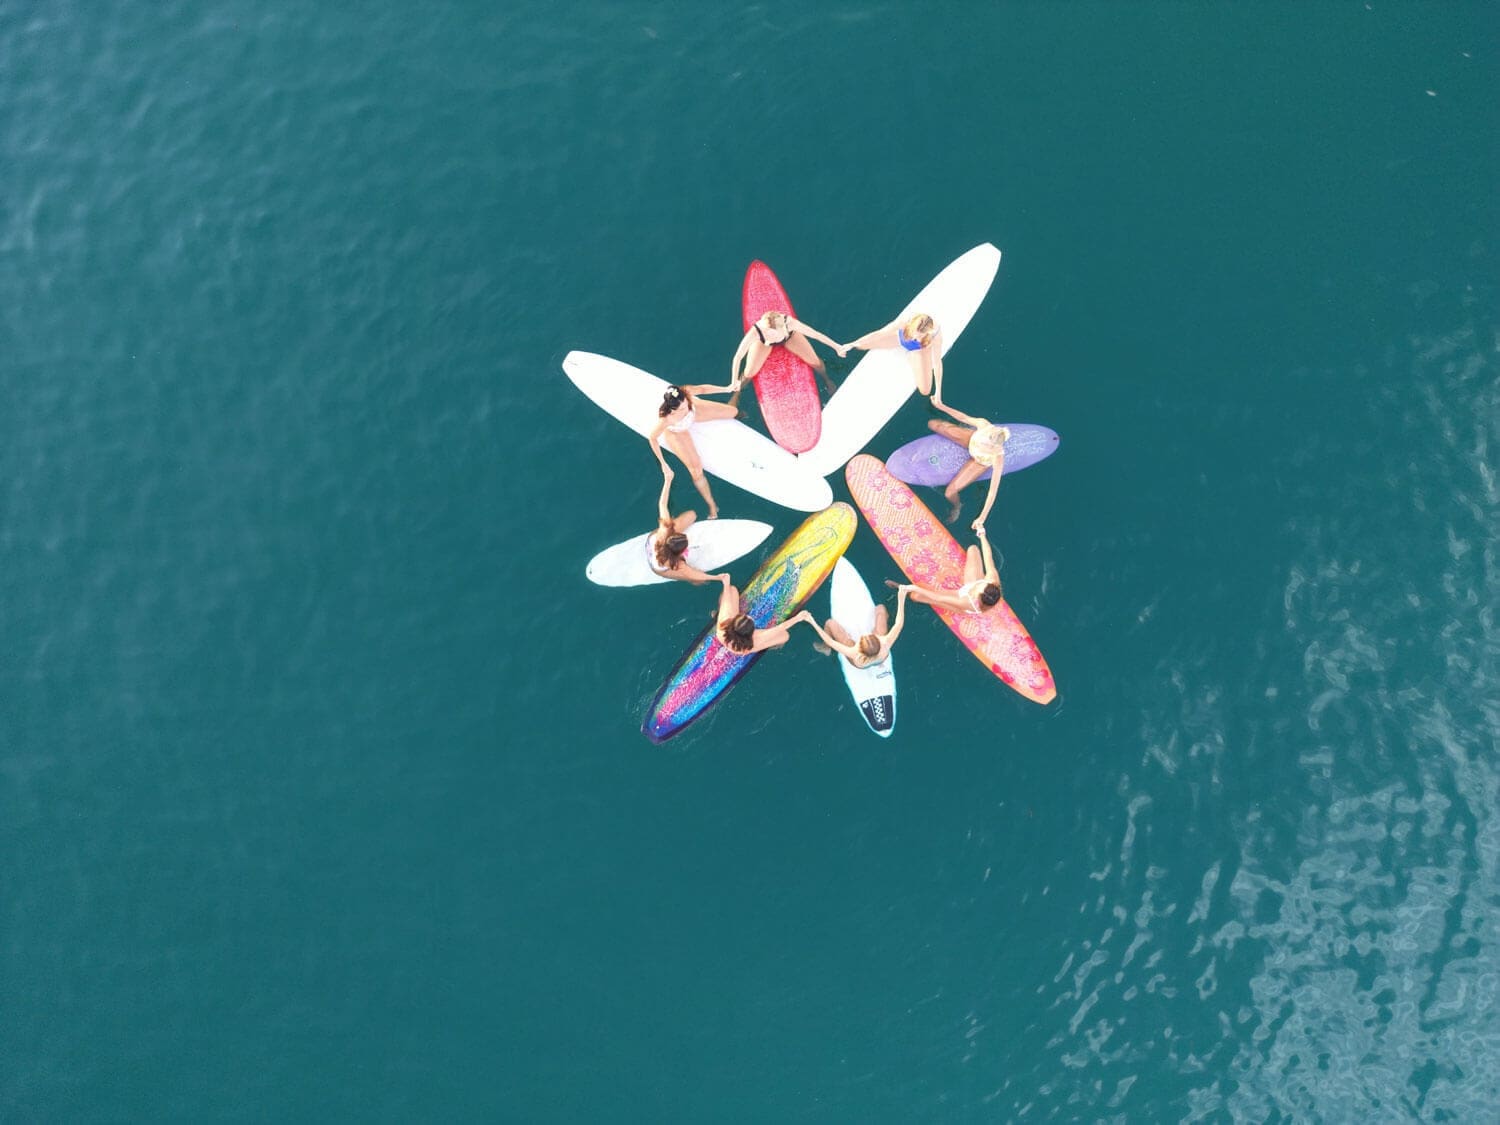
x=323 y=793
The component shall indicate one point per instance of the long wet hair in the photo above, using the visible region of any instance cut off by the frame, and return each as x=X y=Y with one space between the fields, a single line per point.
x=739 y=633
x=670 y=549
x=990 y=594
x=869 y=645
x=674 y=398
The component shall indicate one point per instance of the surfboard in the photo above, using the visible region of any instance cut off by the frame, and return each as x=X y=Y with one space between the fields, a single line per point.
x=882 y=380
x=931 y=557
x=785 y=388
x=935 y=460
x=874 y=687
x=730 y=450
x=712 y=544
x=777 y=591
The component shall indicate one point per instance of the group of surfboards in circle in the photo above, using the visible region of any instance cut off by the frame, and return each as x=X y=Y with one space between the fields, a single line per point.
x=920 y=337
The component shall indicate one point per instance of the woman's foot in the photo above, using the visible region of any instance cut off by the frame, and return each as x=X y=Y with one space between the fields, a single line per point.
x=958 y=506
x=819 y=646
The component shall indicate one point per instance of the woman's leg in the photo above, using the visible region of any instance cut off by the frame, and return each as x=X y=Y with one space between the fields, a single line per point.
x=972 y=470
x=838 y=632
x=951 y=430
x=801 y=347
x=687 y=453
x=921 y=369
x=707 y=410
x=755 y=359
x=882 y=620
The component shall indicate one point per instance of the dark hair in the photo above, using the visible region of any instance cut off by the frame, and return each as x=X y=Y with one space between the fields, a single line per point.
x=670 y=401
x=670 y=549
x=990 y=594
x=869 y=644
x=739 y=633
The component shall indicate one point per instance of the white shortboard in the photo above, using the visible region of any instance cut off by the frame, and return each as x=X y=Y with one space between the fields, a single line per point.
x=711 y=545
x=730 y=450
x=873 y=688
x=881 y=382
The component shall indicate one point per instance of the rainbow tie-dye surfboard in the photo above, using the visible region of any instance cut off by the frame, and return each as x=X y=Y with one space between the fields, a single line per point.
x=777 y=591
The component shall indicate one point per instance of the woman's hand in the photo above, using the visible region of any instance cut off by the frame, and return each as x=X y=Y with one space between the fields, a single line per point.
x=978 y=526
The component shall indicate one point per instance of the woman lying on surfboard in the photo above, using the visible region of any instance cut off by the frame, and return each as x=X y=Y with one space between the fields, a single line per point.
x=873 y=647
x=981 y=588
x=986 y=445
x=680 y=408
x=922 y=340
x=771 y=329
x=737 y=630
x=666 y=549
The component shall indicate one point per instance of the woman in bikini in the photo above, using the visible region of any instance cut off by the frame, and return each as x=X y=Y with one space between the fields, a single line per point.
x=667 y=546
x=986 y=445
x=873 y=647
x=922 y=340
x=737 y=630
x=980 y=591
x=771 y=329
x=680 y=408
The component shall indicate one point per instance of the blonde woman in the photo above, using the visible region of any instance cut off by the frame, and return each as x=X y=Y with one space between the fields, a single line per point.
x=872 y=648
x=680 y=408
x=922 y=340
x=773 y=329
x=986 y=445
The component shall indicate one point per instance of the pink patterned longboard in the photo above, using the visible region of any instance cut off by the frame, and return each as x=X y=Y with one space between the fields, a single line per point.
x=931 y=557
x=785 y=388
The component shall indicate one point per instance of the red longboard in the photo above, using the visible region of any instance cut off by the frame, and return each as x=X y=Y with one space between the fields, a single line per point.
x=785 y=388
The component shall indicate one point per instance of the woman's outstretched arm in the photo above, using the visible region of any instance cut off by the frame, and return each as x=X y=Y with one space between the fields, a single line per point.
x=989 y=499
x=895 y=630
x=663 y=512
x=990 y=571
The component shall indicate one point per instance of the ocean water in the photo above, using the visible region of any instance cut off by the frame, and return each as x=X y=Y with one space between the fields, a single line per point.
x=322 y=792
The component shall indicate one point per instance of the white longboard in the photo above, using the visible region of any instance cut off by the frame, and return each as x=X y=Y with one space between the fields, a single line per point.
x=711 y=545
x=873 y=688
x=881 y=382
x=730 y=449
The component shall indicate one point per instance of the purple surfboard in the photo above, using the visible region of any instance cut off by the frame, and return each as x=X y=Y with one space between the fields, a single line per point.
x=935 y=460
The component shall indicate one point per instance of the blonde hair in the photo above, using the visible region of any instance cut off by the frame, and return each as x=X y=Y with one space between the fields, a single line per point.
x=992 y=438
x=921 y=327
x=869 y=644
